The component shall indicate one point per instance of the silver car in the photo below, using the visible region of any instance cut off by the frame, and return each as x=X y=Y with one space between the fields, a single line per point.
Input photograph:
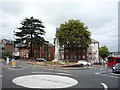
x=116 y=68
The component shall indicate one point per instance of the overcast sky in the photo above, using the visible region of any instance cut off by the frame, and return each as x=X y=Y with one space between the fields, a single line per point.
x=101 y=17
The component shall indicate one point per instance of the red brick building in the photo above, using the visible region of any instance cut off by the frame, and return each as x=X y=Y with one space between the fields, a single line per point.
x=51 y=52
x=76 y=54
x=44 y=51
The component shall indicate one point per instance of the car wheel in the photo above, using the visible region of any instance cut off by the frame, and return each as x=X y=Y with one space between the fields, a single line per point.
x=113 y=70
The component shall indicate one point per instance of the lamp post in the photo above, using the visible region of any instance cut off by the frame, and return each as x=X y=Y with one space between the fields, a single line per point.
x=13 y=43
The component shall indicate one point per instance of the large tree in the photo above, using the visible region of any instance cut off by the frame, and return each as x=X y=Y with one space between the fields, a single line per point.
x=30 y=33
x=74 y=34
x=104 y=52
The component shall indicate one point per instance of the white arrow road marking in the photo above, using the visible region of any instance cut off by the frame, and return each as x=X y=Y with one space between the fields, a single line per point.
x=1 y=76
x=105 y=86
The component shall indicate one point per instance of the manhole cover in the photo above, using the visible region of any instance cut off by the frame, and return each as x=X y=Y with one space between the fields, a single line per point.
x=45 y=81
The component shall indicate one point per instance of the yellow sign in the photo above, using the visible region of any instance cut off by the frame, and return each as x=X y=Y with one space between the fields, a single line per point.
x=13 y=63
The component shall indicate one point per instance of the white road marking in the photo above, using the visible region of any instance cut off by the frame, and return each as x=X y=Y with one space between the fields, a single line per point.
x=101 y=73
x=103 y=68
x=53 y=73
x=115 y=74
x=64 y=73
x=105 y=86
x=15 y=69
x=45 y=81
x=1 y=76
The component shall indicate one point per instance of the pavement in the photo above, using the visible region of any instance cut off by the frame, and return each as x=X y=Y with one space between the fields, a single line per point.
x=98 y=77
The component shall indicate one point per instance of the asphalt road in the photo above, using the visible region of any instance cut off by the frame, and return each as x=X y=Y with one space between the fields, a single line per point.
x=95 y=77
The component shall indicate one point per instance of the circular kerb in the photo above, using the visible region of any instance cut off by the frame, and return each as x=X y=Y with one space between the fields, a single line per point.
x=45 y=81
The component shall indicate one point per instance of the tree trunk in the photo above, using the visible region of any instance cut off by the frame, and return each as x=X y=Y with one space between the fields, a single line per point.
x=31 y=54
x=31 y=51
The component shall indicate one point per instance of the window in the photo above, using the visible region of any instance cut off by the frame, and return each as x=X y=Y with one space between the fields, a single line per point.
x=90 y=51
x=83 y=56
x=66 y=51
x=90 y=57
x=83 y=51
x=79 y=57
x=94 y=58
x=49 y=55
x=66 y=56
x=110 y=59
x=75 y=57
x=118 y=60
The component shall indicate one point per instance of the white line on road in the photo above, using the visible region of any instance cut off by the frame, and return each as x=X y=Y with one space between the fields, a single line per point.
x=53 y=73
x=15 y=69
x=114 y=74
x=1 y=76
x=105 y=86
x=64 y=73
x=100 y=72
x=103 y=68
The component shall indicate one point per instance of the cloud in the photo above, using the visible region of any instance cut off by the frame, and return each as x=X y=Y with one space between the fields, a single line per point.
x=99 y=15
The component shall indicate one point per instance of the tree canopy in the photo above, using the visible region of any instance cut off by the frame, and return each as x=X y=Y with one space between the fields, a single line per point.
x=104 y=52
x=31 y=32
x=74 y=34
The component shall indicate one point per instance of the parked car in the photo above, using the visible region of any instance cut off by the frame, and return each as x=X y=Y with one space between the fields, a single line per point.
x=116 y=68
x=41 y=59
x=84 y=62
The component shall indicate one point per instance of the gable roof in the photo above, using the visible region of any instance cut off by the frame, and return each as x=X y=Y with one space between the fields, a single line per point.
x=94 y=41
x=6 y=41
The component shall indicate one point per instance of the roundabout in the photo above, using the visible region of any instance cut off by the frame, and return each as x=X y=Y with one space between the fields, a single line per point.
x=45 y=81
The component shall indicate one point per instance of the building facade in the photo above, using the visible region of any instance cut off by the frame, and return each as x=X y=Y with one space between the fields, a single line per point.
x=76 y=54
x=90 y=54
x=93 y=52
x=7 y=47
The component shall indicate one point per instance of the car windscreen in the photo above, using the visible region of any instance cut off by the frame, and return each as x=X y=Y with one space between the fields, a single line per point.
x=117 y=65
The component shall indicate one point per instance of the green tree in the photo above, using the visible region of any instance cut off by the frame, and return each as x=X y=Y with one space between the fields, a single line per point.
x=30 y=33
x=74 y=34
x=104 y=52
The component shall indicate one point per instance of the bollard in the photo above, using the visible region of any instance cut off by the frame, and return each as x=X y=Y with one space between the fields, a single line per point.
x=13 y=62
x=7 y=60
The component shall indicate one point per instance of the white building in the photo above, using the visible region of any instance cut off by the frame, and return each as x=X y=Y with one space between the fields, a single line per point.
x=93 y=52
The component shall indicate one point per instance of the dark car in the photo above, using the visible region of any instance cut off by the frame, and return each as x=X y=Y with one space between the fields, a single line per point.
x=116 y=68
x=41 y=59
